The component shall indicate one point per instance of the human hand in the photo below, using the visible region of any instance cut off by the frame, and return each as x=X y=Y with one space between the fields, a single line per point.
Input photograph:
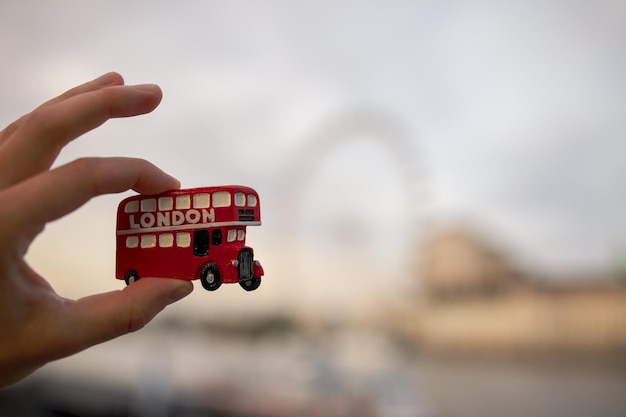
x=37 y=325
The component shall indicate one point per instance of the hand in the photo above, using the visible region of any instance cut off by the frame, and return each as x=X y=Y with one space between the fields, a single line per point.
x=36 y=324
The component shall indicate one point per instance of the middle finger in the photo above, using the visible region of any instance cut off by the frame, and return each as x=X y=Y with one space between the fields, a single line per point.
x=111 y=78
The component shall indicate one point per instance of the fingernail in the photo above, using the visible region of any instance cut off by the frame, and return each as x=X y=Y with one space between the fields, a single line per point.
x=180 y=292
x=148 y=88
x=109 y=78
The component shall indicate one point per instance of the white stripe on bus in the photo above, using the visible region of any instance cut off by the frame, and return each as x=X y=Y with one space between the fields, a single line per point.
x=184 y=227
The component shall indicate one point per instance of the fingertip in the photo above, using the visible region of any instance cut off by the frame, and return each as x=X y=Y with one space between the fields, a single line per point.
x=153 y=180
x=151 y=93
x=176 y=183
x=182 y=290
x=171 y=289
x=149 y=296
x=151 y=89
x=110 y=78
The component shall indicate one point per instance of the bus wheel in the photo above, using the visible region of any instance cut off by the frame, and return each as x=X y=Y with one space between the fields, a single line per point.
x=131 y=276
x=250 y=284
x=210 y=277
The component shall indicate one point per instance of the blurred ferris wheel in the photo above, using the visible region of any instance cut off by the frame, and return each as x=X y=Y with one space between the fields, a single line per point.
x=354 y=186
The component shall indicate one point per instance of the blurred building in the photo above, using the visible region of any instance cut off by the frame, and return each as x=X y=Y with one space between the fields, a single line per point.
x=457 y=262
x=479 y=302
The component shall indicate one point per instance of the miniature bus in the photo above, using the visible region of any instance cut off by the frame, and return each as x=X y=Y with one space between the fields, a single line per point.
x=189 y=234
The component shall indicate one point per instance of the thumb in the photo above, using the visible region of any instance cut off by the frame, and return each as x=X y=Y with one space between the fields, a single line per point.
x=102 y=317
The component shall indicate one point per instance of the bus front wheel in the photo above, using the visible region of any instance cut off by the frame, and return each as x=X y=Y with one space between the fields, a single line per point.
x=250 y=284
x=131 y=276
x=210 y=277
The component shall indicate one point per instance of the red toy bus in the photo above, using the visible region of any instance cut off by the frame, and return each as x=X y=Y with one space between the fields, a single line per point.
x=189 y=234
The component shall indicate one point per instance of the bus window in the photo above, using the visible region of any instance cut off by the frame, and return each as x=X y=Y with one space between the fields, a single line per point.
x=240 y=199
x=148 y=204
x=166 y=240
x=183 y=240
x=201 y=200
x=252 y=200
x=148 y=241
x=166 y=203
x=232 y=235
x=241 y=234
x=221 y=199
x=132 y=241
x=132 y=207
x=201 y=242
x=217 y=237
x=183 y=202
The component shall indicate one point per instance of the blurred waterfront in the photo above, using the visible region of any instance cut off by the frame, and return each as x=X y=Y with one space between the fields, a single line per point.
x=184 y=369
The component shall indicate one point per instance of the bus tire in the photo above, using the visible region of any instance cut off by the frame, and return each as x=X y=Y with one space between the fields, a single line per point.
x=250 y=284
x=131 y=276
x=210 y=277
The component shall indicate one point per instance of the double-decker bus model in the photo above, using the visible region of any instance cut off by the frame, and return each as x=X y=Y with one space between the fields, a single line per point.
x=189 y=234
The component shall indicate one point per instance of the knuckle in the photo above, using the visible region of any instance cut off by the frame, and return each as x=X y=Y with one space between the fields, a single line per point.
x=138 y=319
x=41 y=119
x=11 y=128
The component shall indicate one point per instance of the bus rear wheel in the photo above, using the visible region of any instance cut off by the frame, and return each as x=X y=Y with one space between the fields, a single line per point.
x=210 y=277
x=131 y=276
x=250 y=284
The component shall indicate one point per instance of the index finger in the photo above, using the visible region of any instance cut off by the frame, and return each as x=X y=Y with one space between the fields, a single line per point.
x=36 y=143
x=53 y=194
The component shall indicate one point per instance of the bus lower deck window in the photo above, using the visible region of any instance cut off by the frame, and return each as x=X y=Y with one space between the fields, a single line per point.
x=183 y=240
x=132 y=241
x=216 y=237
x=201 y=242
x=148 y=241
x=166 y=240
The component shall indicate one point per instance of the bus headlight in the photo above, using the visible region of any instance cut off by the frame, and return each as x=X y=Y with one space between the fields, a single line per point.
x=257 y=263
x=235 y=262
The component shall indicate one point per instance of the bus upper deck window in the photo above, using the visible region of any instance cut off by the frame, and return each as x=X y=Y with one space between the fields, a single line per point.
x=166 y=203
x=148 y=204
x=183 y=202
x=252 y=200
x=201 y=200
x=221 y=199
x=132 y=207
x=240 y=199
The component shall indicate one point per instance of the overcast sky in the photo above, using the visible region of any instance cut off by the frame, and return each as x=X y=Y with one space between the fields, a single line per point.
x=515 y=111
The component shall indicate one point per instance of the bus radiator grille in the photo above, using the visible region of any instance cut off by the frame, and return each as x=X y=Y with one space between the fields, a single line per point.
x=246 y=265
